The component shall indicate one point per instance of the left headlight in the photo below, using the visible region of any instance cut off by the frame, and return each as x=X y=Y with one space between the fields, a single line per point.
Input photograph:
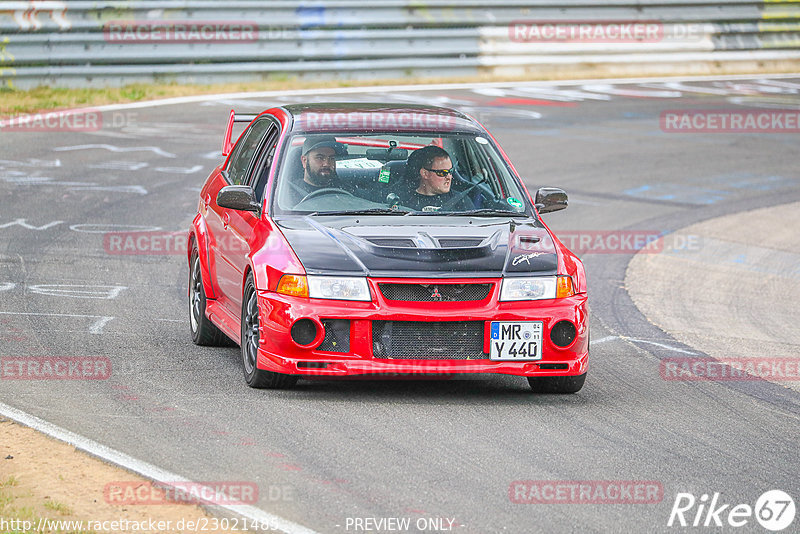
x=338 y=288
x=536 y=288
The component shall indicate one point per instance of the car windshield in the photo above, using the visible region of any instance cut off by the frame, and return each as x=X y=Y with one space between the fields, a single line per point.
x=404 y=174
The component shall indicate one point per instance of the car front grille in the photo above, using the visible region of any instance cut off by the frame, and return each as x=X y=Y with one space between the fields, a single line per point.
x=422 y=340
x=435 y=292
x=337 y=336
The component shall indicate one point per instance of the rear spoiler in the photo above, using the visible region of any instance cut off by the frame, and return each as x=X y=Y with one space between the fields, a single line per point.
x=227 y=143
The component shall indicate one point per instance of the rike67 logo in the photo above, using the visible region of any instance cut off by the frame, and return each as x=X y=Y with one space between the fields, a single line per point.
x=774 y=510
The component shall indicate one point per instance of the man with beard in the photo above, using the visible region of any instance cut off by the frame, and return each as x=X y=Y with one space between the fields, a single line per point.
x=319 y=166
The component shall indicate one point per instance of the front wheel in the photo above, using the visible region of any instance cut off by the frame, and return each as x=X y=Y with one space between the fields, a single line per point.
x=255 y=377
x=557 y=384
x=203 y=331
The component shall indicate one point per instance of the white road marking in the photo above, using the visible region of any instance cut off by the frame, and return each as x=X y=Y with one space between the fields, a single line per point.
x=21 y=179
x=556 y=93
x=23 y=224
x=104 y=228
x=107 y=134
x=773 y=103
x=788 y=85
x=662 y=345
x=96 y=328
x=489 y=91
x=114 y=148
x=81 y=291
x=144 y=469
x=5 y=286
x=636 y=93
x=491 y=111
x=762 y=88
x=685 y=88
x=25 y=179
x=31 y=162
x=138 y=189
x=119 y=165
x=180 y=170
x=636 y=340
x=603 y=340
x=230 y=102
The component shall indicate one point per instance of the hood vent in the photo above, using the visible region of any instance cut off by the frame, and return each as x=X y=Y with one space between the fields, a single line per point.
x=392 y=242
x=460 y=242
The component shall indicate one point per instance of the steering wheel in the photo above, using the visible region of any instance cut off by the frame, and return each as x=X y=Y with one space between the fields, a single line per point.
x=325 y=191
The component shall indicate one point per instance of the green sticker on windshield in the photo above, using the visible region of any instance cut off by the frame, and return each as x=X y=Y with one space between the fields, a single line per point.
x=384 y=175
x=514 y=202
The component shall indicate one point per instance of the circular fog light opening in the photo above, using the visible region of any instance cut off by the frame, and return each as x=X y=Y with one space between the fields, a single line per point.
x=563 y=333
x=304 y=332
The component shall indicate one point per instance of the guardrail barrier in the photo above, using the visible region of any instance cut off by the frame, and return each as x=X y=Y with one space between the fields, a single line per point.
x=81 y=43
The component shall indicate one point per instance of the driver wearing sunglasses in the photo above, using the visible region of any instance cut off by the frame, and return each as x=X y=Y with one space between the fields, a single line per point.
x=431 y=169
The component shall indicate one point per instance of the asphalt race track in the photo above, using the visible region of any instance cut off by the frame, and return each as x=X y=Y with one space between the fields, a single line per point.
x=328 y=452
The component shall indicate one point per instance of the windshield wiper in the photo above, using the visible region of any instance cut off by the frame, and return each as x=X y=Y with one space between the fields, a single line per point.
x=474 y=213
x=370 y=211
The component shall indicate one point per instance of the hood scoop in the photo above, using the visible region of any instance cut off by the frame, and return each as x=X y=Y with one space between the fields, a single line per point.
x=436 y=242
x=423 y=246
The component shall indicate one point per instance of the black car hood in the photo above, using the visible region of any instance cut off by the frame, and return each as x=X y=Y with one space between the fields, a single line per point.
x=420 y=246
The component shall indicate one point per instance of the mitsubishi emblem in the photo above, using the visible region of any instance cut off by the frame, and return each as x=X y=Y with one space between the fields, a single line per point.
x=436 y=295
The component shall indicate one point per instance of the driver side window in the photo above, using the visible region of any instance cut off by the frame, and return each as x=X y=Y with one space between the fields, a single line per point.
x=245 y=151
x=260 y=175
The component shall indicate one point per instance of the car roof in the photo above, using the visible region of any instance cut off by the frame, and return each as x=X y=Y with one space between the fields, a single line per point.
x=378 y=117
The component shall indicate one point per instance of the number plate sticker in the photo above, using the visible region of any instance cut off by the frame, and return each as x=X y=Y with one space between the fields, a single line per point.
x=516 y=341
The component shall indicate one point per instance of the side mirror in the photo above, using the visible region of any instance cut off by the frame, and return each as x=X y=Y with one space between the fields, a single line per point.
x=238 y=197
x=550 y=199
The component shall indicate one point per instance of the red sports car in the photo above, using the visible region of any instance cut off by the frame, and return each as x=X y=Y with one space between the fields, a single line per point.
x=382 y=239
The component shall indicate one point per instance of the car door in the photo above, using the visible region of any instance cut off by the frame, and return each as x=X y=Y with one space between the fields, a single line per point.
x=231 y=229
x=241 y=224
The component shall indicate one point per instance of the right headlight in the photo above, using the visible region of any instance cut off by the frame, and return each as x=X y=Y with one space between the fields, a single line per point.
x=536 y=288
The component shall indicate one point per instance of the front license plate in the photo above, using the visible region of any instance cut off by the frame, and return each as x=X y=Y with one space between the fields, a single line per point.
x=516 y=341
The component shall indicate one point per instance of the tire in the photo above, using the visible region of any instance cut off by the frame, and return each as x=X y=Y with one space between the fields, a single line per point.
x=557 y=384
x=203 y=331
x=255 y=377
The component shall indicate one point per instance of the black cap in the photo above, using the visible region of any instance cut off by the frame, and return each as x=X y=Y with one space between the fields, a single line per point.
x=322 y=141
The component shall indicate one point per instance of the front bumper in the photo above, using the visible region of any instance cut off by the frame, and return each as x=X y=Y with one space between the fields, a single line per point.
x=279 y=353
